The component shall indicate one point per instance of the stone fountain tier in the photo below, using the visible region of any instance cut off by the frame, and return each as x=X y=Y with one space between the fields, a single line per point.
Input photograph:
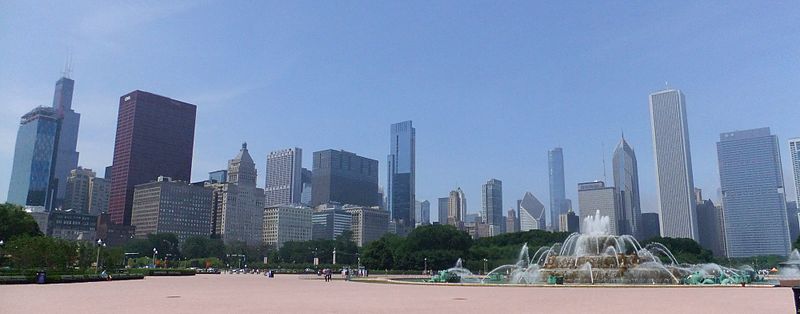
x=597 y=261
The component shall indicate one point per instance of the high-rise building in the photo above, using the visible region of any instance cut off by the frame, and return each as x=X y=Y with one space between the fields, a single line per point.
x=368 y=223
x=284 y=181
x=569 y=222
x=673 y=160
x=794 y=222
x=492 y=198
x=711 y=224
x=329 y=221
x=531 y=213
x=651 y=226
x=167 y=206
x=284 y=223
x=238 y=204
x=219 y=176
x=77 y=190
x=423 y=213
x=457 y=208
x=555 y=163
x=155 y=137
x=32 y=175
x=66 y=153
x=401 y=175
x=512 y=223
x=596 y=196
x=754 y=206
x=345 y=178
x=99 y=189
x=72 y=225
x=626 y=180
x=305 y=194
x=444 y=209
x=794 y=153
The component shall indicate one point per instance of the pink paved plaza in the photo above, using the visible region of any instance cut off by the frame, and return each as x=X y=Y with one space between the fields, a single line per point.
x=290 y=294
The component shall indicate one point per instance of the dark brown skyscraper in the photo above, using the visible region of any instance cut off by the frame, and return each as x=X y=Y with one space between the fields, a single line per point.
x=155 y=137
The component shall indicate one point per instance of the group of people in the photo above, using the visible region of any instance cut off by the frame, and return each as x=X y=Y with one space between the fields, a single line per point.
x=346 y=273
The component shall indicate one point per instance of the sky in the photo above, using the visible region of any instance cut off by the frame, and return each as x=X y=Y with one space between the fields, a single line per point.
x=489 y=85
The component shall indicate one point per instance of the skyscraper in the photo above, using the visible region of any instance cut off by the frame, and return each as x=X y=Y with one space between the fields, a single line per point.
x=626 y=180
x=343 y=177
x=650 y=226
x=531 y=213
x=512 y=224
x=794 y=152
x=66 y=154
x=284 y=182
x=32 y=176
x=492 y=198
x=444 y=208
x=457 y=208
x=673 y=165
x=711 y=224
x=596 y=196
x=238 y=203
x=305 y=193
x=555 y=165
x=155 y=137
x=754 y=206
x=423 y=213
x=77 y=194
x=167 y=206
x=401 y=176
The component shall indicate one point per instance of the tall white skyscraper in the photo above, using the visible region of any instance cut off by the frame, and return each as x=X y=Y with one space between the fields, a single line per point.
x=676 y=204
x=284 y=183
x=794 y=152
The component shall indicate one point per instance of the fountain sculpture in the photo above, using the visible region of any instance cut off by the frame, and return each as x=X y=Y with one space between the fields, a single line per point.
x=595 y=256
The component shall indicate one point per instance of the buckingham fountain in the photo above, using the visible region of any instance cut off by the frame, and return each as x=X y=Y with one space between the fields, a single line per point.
x=596 y=257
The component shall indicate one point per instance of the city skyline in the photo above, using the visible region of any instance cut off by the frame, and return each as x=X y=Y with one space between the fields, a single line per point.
x=716 y=106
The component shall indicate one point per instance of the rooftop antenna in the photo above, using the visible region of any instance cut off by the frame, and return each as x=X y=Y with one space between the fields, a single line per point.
x=603 y=148
x=68 y=65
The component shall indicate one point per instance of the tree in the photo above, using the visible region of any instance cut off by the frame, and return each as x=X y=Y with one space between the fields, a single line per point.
x=195 y=247
x=15 y=222
x=685 y=250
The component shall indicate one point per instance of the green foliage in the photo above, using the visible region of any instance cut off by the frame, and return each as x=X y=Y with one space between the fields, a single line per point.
x=198 y=247
x=442 y=245
x=15 y=222
x=796 y=244
x=41 y=252
x=685 y=250
x=165 y=243
x=305 y=251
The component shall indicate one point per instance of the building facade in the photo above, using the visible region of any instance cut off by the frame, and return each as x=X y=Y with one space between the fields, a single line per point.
x=596 y=197
x=329 y=221
x=284 y=182
x=711 y=223
x=626 y=180
x=422 y=213
x=368 y=223
x=794 y=154
x=673 y=159
x=238 y=205
x=443 y=210
x=651 y=226
x=66 y=151
x=345 y=178
x=531 y=213
x=492 y=199
x=512 y=223
x=77 y=193
x=401 y=164
x=32 y=174
x=555 y=165
x=754 y=206
x=167 y=206
x=72 y=225
x=284 y=223
x=569 y=222
x=155 y=137
x=219 y=176
x=457 y=208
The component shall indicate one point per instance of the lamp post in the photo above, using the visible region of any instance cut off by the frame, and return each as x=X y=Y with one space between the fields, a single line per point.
x=100 y=245
x=484 y=266
x=155 y=252
x=425 y=270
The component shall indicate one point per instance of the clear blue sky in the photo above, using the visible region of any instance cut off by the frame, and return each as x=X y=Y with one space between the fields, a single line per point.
x=489 y=85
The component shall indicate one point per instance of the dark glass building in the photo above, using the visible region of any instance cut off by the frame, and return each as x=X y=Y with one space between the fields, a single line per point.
x=650 y=226
x=345 y=178
x=66 y=154
x=32 y=174
x=155 y=137
x=401 y=176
